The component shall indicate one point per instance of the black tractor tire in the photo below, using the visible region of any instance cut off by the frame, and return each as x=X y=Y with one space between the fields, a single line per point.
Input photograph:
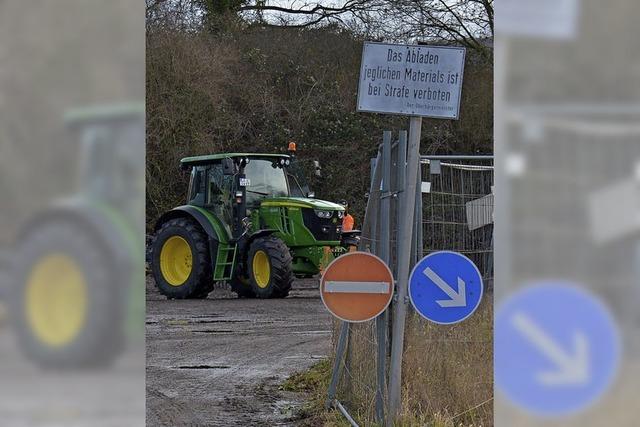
x=199 y=282
x=59 y=267
x=242 y=287
x=280 y=277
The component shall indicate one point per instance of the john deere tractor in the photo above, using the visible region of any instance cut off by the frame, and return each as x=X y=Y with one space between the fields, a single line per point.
x=75 y=270
x=249 y=220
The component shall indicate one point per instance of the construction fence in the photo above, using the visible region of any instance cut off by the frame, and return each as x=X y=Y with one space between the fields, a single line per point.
x=447 y=370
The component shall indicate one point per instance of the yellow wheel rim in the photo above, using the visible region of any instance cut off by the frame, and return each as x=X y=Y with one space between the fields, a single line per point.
x=56 y=299
x=261 y=269
x=176 y=261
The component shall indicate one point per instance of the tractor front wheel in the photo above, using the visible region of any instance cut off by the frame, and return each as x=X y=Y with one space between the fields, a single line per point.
x=180 y=260
x=269 y=265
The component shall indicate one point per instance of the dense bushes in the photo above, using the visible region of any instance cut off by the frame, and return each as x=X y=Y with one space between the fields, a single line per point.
x=255 y=89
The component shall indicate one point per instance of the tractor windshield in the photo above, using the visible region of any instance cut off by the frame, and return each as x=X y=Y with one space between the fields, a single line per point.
x=266 y=179
x=297 y=180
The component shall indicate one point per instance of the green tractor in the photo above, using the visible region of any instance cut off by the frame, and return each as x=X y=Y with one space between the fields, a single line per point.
x=75 y=270
x=250 y=220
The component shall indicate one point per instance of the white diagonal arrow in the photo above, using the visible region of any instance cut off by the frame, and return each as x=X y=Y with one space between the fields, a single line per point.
x=458 y=299
x=572 y=369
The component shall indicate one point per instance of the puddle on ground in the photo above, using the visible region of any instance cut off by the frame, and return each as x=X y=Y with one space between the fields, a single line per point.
x=203 y=367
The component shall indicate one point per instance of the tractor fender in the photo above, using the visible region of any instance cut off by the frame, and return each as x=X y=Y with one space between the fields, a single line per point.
x=193 y=213
x=260 y=233
x=245 y=243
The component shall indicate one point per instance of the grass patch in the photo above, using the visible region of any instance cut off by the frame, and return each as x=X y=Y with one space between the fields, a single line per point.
x=310 y=380
x=447 y=376
x=314 y=382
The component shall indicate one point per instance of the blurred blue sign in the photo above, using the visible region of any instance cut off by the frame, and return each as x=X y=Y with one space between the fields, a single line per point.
x=445 y=287
x=556 y=349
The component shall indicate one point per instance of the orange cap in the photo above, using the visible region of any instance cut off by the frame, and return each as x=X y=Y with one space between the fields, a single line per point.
x=292 y=146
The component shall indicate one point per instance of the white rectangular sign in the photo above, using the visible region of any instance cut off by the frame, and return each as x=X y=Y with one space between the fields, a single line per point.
x=480 y=212
x=357 y=287
x=554 y=19
x=417 y=80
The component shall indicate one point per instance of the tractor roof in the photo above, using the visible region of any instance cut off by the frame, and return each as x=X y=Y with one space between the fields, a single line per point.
x=210 y=158
x=100 y=113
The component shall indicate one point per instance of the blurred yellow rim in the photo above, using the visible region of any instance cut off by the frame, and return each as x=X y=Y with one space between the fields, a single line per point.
x=56 y=299
x=176 y=260
x=261 y=269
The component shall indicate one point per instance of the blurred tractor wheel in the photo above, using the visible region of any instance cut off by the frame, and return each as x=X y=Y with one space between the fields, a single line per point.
x=67 y=300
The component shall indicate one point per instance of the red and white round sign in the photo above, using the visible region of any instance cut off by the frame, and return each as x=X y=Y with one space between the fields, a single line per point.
x=356 y=287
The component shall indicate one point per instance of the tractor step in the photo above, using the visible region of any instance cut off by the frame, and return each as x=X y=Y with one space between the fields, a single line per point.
x=225 y=260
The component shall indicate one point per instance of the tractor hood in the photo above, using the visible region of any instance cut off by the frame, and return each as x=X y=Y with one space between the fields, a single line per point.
x=303 y=202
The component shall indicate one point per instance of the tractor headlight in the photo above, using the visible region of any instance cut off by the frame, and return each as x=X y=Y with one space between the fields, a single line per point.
x=324 y=214
x=287 y=162
x=281 y=162
x=340 y=214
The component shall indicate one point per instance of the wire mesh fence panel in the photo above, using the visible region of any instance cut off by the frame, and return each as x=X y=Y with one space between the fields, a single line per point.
x=458 y=207
x=448 y=370
x=358 y=385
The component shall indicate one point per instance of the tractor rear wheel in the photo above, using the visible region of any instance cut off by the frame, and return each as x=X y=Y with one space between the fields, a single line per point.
x=180 y=260
x=269 y=265
x=68 y=301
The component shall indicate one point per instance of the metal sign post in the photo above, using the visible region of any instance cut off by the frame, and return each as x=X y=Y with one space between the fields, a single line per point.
x=384 y=253
x=419 y=81
x=404 y=255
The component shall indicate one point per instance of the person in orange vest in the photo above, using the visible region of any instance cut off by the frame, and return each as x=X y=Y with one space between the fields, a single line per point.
x=347 y=221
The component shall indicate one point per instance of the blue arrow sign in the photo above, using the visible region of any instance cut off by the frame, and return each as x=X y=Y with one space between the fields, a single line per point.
x=556 y=349
x=445 y=287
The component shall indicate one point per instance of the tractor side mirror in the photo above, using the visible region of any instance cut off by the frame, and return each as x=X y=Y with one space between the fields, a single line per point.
x=228 y=168
x=317 y=168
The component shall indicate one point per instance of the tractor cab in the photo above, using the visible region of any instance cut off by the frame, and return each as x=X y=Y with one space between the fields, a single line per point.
x=259 y=220
x=77 y=266
x=110 y=154
x=238 y=186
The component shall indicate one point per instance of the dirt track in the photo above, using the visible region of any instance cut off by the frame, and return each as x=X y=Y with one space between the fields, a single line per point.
x=220 y=361
x=31 y=396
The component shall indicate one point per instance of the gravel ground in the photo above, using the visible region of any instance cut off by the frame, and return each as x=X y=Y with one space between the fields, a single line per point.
x=220 y=361
x=32 y=396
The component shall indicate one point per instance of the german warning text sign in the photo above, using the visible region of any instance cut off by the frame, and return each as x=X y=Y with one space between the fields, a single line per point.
x=356 y=287
x=417 y=80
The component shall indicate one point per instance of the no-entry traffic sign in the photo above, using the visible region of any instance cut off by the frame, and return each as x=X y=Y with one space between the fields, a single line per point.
x=356 y=287
x=445 y=287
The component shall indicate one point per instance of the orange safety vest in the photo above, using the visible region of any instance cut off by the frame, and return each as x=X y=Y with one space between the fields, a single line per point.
x=347 y=223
